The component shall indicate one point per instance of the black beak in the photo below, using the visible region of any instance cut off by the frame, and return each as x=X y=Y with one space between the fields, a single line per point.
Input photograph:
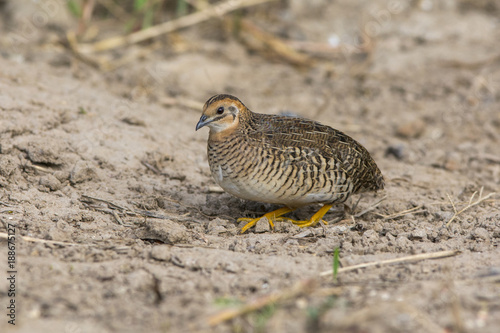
x=203 y=121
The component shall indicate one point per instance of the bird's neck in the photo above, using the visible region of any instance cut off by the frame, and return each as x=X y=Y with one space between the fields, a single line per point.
x=217 y=135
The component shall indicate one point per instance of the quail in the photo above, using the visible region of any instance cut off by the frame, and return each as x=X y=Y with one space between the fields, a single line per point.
x=284 y=160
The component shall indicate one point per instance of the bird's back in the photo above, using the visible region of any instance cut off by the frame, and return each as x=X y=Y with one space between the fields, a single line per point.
x=291 y=161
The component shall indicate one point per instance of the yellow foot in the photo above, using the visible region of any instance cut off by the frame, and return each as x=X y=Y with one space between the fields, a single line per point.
x=314 y=219
x=271 y=217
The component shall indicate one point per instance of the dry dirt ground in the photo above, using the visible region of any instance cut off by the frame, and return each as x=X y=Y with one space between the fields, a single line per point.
x=106 y=168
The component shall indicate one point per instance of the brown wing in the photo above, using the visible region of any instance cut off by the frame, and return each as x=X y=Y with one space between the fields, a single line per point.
x=289 y=132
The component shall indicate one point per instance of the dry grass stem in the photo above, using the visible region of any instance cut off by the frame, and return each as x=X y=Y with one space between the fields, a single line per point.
x=326 y=50
x=331 y=291
x=490 y=158
x=407 y=259
x=167 y=27
x=269 y=43
x=456 y=213
x=413 y=210
x=115 y=10
x=9 y=211
x=215 y=189
x=151 y=167
x=372 y=207
x=115 y=210
x=40 y=168
x=472 y=65
x=4 y=235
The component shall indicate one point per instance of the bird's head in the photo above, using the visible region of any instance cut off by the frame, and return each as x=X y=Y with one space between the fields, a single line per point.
x=221 y=113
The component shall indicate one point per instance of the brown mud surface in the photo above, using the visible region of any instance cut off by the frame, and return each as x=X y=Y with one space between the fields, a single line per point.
x=103 y=161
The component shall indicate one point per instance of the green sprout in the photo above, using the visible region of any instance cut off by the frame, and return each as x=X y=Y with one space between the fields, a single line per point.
x=336 y=263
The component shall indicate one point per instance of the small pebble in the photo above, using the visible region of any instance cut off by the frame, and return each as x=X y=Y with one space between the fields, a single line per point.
x=481 y=234
x=167 y=231
x=51 y=182
x=217 y=226
x=370 y=234
x=216 y=230
x=398 y=151
x=412 y=129
x=231 y=267
x=419 y=234
x=292 y=242
x=452 y=162
x=61 y=175
x=82 y=171
x=134 y=121
x=161 y=252
x=403 y=242
x=262 y=226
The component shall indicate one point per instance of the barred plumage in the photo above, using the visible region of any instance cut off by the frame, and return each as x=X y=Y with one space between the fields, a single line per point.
x=284 y=160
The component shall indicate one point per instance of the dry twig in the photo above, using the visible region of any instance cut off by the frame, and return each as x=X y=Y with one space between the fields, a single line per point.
x=407 y=259
x=4 y=235
x=472 y=65
x=413 y=210
x=278 y=47
x=372 y=207
x=469 y=205
x=115 y=10
x=113 y=209
x=166 y=27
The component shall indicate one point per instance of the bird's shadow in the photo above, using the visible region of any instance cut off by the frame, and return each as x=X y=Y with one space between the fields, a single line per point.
x=230 y=207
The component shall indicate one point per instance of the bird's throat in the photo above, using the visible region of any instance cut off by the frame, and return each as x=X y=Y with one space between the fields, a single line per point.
x=221 y=134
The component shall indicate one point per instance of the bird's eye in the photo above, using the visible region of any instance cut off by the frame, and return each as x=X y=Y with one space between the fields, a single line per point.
x=220 y=110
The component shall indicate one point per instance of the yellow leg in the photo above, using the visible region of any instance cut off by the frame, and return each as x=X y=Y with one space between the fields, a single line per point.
x=314 y=219
x=271 y=216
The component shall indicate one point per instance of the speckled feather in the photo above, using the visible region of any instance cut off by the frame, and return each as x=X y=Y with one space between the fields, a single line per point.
x=290 y=161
